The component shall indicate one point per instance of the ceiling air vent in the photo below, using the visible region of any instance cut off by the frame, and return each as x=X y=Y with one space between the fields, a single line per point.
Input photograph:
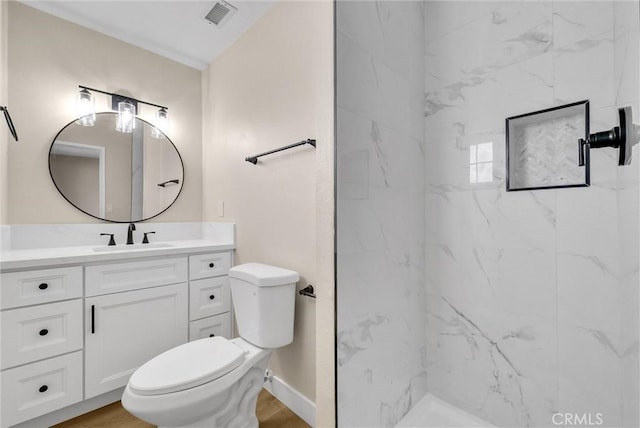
x=220 y=13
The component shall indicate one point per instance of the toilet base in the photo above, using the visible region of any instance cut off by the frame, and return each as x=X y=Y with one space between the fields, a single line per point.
x=240 y=409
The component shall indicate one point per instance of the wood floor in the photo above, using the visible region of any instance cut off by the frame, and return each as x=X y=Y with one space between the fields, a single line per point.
x=271 y=414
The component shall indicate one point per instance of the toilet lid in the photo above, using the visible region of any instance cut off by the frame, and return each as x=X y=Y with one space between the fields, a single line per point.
x=264 y=275
x=187 y=366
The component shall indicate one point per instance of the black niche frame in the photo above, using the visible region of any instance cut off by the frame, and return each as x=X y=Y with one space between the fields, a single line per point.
x=587 y=175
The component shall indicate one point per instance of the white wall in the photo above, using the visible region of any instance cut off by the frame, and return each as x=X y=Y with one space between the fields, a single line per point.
x=532 y=296
x=269 y=89
x=380 y=211
x=47 y=59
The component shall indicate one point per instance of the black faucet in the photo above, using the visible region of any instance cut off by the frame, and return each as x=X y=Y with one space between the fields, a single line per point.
x=130 y=230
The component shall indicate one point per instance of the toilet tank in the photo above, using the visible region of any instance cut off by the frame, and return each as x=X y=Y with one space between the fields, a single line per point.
x=264 y=302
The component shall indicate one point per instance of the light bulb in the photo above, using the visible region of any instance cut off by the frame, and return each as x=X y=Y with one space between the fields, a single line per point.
x=86 y=108
x=126 y=117
x=161 y=125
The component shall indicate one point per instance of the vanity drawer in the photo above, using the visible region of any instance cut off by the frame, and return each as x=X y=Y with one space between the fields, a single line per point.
x=219 y=325
x=208 y=265
x=116 y=277
x=208 y=297
x=38 y=388
x=38 y=332
x=33 y=287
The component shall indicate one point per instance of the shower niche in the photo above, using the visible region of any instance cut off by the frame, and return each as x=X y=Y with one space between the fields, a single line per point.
x=550 y=148
x=542 y=151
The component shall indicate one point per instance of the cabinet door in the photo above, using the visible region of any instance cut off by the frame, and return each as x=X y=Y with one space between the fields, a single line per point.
x=219 y=325
x=125 y=330
x=127 y=276
x=208 y=265
x=36 y=389
x=209 y=297
x=38 y=332
x=33 y=287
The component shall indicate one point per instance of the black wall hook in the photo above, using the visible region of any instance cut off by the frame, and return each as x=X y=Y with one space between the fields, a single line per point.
x=7 y=117
x=622 y=137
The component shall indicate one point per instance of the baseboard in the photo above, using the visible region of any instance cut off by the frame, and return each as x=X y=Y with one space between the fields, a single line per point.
x=294 y=400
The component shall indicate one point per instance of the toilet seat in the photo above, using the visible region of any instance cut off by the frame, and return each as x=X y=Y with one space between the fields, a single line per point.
x=187 y=366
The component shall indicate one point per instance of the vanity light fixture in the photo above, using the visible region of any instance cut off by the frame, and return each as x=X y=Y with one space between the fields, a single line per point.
x=161 y=124
x=126 y=107
x=86 y=107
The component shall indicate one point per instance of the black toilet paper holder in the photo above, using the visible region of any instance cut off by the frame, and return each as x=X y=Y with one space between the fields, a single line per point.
x=307 y=291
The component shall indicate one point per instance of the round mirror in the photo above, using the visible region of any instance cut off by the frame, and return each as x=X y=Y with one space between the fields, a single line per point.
x=115 y=176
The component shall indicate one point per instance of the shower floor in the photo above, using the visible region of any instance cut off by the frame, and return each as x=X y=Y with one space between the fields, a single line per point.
x=434 y=412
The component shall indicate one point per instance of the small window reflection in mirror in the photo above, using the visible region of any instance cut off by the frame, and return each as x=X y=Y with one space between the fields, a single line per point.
x=481 y=163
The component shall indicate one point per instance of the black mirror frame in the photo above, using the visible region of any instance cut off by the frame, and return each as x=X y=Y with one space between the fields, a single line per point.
x=104 y=219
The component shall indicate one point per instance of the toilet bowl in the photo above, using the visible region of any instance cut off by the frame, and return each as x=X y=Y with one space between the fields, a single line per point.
x=214 y=382
x=227 y=400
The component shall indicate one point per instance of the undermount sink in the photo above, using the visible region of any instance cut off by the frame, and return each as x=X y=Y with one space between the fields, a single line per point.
x=151 y=246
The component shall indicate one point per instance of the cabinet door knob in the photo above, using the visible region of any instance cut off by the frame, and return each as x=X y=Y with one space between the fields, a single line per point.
x=43 y=388
x=43 y=286
x=212 y=297
x=211 y=265
x=211 y=335
x=43 y=332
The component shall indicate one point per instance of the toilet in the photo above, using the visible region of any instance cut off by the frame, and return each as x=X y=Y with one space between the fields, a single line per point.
x=214 y=382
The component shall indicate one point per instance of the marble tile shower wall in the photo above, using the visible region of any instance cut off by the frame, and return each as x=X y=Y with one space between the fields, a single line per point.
x=532 y=297
x=380 y=211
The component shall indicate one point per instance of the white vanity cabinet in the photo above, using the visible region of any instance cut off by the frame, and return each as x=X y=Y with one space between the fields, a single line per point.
x=73 y=335
x=134 y=311
x=41 y=342
x=209 y=295
x=126 y=329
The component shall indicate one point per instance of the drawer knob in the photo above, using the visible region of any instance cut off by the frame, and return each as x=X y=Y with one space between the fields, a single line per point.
x=212 y=297
x=211 y=335
x=43 y=388
x=43 y=286
x=43 y=332
x=211 y=265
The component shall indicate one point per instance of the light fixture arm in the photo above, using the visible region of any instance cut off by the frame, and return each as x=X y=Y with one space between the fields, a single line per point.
x=122 y=97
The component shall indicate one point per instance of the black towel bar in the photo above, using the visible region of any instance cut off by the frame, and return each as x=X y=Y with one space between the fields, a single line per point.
x=254 y=159
x=307 y=291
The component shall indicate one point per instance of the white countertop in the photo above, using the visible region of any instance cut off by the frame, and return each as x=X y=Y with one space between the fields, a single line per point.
x=42 y=257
